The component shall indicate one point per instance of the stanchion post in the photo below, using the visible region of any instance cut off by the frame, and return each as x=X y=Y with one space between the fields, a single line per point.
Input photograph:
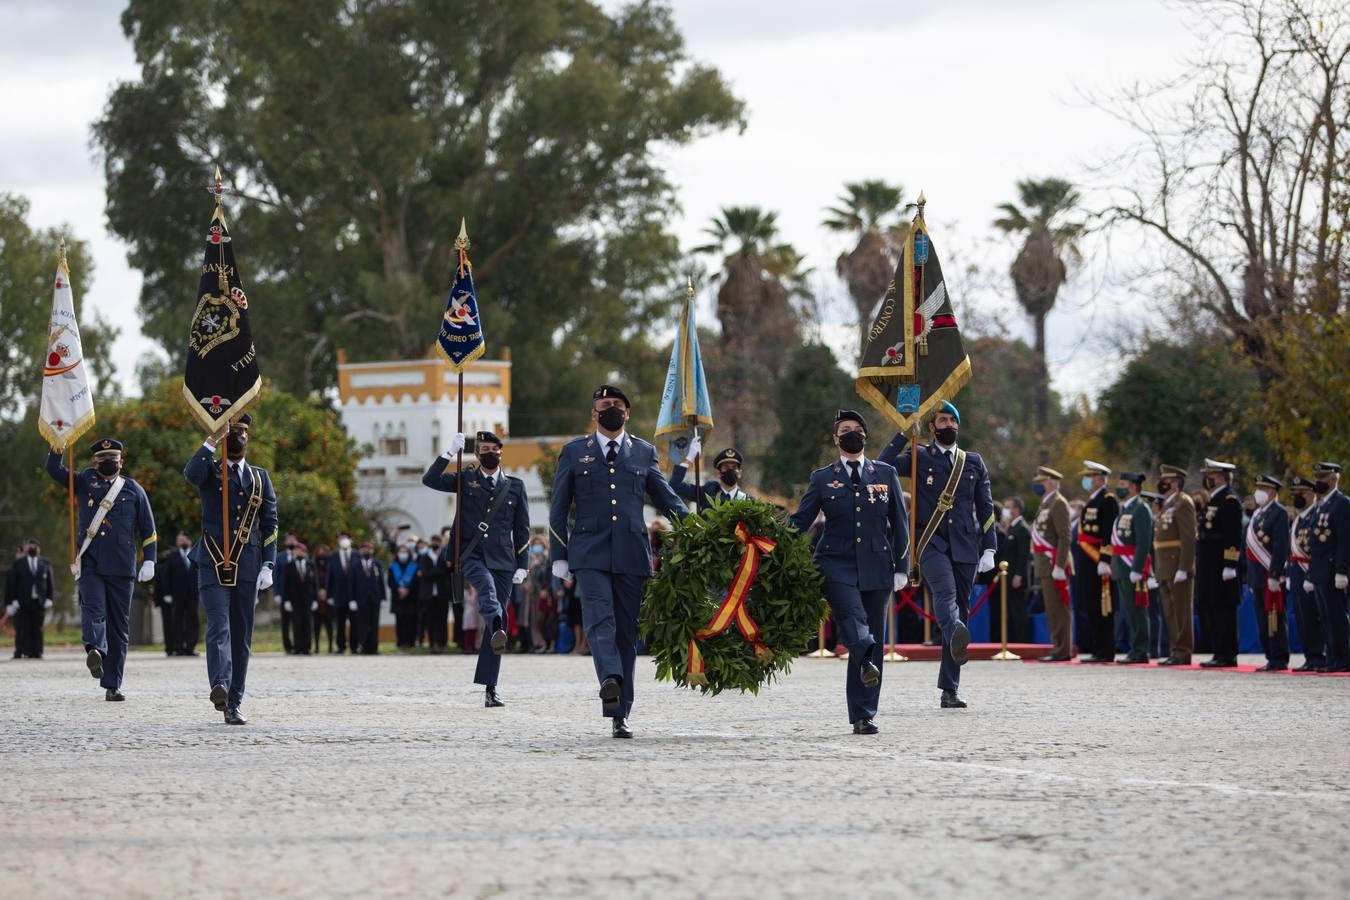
x=1004 y=653
x=893 y=622
x=820 y=652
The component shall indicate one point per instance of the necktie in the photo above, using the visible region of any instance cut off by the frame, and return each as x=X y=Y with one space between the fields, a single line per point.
x=344 y=560
x=613 y=452
x=856 y=478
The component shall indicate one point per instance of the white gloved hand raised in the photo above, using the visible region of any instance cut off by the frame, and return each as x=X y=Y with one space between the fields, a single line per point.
x=518 y=576
x=286 y=605
x=901 y=581
x=1341 y=582
x=1309 y=587
x=986 y=562
x=147 y=571
x=560 y=569
x=1103 y=568
x=1058 y=574
x=456 y=445
x=1136 y=577
x=695 y=449
x=265 y=578
x=1228 y=573
x=1180 y=577
x=1273 y=585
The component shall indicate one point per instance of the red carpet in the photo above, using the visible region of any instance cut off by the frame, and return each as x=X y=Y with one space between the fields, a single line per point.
x=1244 y=669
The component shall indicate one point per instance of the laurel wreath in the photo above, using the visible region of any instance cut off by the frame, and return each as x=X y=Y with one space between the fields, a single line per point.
x=699 y=557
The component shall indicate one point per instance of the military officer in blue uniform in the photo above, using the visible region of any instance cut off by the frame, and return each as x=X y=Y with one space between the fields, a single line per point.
x=495 y=516
x=229 y=586
x=1329 y=564
x=862 y=551
x=729 y=465
x=601 y=481
x=1306 y=614
x=959 y=530
x=1266 y=552
x=1218 y=550
x=115 y=520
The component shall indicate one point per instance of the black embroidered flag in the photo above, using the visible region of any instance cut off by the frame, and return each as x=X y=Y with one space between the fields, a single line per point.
x=221 y=380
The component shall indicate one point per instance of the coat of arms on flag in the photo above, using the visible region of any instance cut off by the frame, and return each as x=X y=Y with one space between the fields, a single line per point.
x=67 y=409
x=460 y=340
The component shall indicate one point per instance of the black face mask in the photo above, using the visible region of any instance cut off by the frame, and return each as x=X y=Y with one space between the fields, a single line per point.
x=234 y=444
x=1121 y=493
x=366 y=554
x=610 y=418
x=1322 y=487
x=489 y=460
x=946 y=436
x=1300 y=501
x=852 y=441
x=32 y=551
x=729 y=477
x=108 y=467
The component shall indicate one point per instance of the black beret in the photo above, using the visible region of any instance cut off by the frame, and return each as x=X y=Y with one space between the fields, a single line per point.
x=609 y=390
x=487 y=437
x=731 y=453
x=246 y=420
x=1136 y=477
x=104 y=446
x=849 y=415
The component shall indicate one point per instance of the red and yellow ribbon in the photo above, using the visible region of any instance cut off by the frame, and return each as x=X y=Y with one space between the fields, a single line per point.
x=733 y=605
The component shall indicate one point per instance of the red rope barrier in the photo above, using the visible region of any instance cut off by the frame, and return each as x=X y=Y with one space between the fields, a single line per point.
x=979 y=604
x=907 y=599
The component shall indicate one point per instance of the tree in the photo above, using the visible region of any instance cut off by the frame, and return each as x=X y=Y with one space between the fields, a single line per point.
x=760 y=327
x=1179 y=403
x=812 y=389
x=868 y=209
x=1242 y=174
x=1039 y=269
x=1305 y=411
x=354 y=136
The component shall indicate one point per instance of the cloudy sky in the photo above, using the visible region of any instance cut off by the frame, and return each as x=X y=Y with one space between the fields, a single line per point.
x=958 y=99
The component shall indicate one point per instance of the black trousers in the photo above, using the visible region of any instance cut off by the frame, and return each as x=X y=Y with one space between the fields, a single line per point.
x=345 y=622
x=286 y=618
x=28 y=628
x=169 y=623
x=1098 y=630
x=437 y=621
x=405 y=622
x=457 y=605
x=300 y=636
x=323 y=624
x=369 y=615
x=186 y=625
x=1217 y=602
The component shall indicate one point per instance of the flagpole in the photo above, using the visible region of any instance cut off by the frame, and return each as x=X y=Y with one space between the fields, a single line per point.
x=914 y=448
x=223 y=283
x=70 y=471
x=462 y=245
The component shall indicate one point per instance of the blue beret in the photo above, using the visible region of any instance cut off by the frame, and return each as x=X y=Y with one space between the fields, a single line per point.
x=947 y=407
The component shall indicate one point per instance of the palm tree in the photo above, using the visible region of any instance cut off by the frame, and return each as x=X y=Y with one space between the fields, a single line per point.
x=867 y=209
x=1039 y=269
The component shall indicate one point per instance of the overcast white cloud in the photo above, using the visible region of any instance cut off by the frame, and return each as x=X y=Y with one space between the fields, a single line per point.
x=958 y=99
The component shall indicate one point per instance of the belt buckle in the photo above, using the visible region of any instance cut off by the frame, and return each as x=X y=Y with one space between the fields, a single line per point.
x=483 y=527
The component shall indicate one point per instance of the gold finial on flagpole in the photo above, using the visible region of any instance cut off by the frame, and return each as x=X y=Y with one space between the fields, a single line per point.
x=462 y=242
x=63 y=250
x=61 y=258
x=922 y=200
x=689 y=288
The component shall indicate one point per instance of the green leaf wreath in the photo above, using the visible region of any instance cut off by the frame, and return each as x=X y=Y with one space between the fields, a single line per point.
x=699 y=557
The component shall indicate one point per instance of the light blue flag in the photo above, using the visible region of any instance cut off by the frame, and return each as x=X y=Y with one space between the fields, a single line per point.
x=685 y=407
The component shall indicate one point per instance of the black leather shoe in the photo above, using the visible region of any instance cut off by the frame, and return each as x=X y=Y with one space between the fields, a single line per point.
x=1272 y=667
x=621 y=729
x=1098 y=659
x=94 y=660
x=1307 y=667
x=1218 y=662
x=1133 y=661
x=232 y=717
x=611 y=690
x=498 y=641
x=219 y=697
x=951 y=701
x=1336 y=669
x=864 y=726
x=490 y=698
x=960 y=644
x=113 y=694
x=1052 y=657
x=871 y=675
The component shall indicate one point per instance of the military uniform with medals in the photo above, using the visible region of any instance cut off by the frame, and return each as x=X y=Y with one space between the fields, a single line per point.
x=1329 y=563
x=1174 y=561
x=1131 y=566
x=1304 y=603
x=1218 y=555
x=1266 y=551
x=1092 y=551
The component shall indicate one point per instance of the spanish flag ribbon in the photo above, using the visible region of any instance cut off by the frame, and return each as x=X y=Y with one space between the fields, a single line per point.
x=1274 y=610
x=733 y=605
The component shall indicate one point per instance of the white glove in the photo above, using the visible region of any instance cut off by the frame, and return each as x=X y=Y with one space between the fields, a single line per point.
x=1309 y=587
x=168 y=601
x=456 y=445
x=47 y=604
x=1152 y=583
x=265 y=578
x=1288 y=584
x=147 y=571
x=518 y=576
x=332 y=603
x=1273 y=585
x=351 y=604
x=1103 y=568
x=695 y=448
x=1136 y=577
x=314 y=606
x=1180 y=576
x=286 y=606
x=1228 y=574
x=12 y=608
x=986 y=562
x=1057 y=574
x=901 y=581
x=1341 y=582
x=560 y=569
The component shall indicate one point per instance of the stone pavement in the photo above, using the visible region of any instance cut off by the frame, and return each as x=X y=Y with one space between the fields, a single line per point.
x=384 y=776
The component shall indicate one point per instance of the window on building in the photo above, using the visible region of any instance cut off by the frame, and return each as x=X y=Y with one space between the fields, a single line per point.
x=393 y=446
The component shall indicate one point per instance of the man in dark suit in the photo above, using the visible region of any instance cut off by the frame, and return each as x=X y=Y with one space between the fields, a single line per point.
x=28 y=596
x=603 y=477
x=1266 y=550
x=1304 y=602
x=369 y=598
x=1329 y=563
x=863 y=553
x=495 y=516
x=1092 y=568
x=341 y=588
x=959 y=531
x=728 y=465
x=177 y=595
x=279 y=591
x=1015 y=550
x=1218 y=553
x=301 y=594
x=433 y=587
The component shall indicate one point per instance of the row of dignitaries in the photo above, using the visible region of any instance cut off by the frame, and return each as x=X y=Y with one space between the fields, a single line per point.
x=177 y=597
x=493 y=520
x=1317 y=574
x=230 y=574
x=116 y=526
x=353 y=590
x=29 y=590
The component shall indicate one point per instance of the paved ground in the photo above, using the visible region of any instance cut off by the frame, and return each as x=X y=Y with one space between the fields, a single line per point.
x=380 y=776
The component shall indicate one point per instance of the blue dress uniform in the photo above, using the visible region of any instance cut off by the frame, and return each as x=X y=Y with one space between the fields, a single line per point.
x=948 y=563
x=108 y=567
x=1306 y=614
x=1329 y=552
x=1268 y=533
x=500 y=550
x=229 y=609
x=714 y=490
x=607 y=546
x=863 y=546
